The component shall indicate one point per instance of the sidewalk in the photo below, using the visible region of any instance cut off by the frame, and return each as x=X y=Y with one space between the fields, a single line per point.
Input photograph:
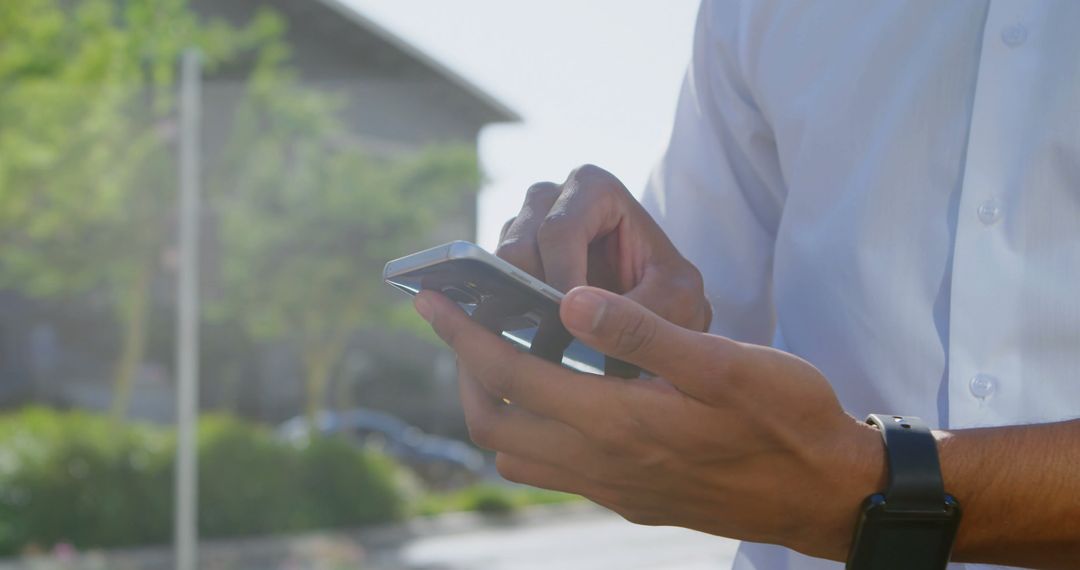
x=589 y=539
x=576 y=536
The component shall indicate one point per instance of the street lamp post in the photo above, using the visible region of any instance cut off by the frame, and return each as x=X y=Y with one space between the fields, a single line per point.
x=187 y=330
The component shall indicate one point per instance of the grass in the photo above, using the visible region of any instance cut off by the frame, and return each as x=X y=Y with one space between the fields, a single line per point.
x=489 y=499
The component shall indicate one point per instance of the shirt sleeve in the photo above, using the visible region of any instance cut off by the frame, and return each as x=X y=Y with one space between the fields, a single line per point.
x=718 y=189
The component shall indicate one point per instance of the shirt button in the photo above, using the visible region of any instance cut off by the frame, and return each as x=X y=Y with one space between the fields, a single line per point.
x=990 y=211
x=982 y=386
x=1014 y=35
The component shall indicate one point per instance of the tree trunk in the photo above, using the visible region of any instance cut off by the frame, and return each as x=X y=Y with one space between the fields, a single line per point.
x=135 y=319
x=320 y=357
x=319 y=361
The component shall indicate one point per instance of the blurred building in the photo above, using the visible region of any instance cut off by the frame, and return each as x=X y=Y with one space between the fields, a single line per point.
x=398 y=99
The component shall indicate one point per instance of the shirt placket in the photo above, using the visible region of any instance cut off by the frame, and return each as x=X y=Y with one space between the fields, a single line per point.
x=984 y=359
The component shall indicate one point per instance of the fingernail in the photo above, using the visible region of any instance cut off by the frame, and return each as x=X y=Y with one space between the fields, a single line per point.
x=586 y=310
x=423 y=306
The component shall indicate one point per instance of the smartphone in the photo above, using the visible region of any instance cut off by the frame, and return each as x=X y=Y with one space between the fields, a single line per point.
x=520 y=308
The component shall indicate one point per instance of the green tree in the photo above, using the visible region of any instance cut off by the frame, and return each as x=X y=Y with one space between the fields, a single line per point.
x=88 y=177
x=309 y=218
x=87 y=174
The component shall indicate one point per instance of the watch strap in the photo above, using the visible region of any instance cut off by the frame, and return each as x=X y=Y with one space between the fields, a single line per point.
x=915 y=482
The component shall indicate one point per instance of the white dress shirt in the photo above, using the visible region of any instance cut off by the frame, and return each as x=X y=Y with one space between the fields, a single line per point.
x=890 y=190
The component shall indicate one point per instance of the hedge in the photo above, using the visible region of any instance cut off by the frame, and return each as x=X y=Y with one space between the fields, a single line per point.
x=78 y=478
x=489 y=499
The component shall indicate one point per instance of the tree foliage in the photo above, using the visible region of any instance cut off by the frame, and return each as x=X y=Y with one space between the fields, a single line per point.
x=87 y=128
x=88 y=176
x=310 y=218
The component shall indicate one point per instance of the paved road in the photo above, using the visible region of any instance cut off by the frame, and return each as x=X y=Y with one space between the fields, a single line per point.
x=595 y=540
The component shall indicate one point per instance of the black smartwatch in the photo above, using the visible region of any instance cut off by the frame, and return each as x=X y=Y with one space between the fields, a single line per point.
x=912 y=524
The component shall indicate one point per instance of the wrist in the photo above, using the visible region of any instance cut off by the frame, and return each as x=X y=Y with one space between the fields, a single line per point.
x=857 y=468
x=957 y=468
x=913 y=522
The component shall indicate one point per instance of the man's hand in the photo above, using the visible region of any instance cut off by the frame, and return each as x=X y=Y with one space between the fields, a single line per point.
x=732 y=439
x=591 y=230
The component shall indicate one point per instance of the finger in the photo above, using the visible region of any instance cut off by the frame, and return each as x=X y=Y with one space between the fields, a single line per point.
x=498 y=427
x=527 y=472
x=675 y=294
x=505 y=228
x=582 y=401
x=620 y=327
x=518 y=243
x=589 y=206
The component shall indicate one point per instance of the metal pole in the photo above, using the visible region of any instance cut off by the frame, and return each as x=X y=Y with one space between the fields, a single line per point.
x=187 y=329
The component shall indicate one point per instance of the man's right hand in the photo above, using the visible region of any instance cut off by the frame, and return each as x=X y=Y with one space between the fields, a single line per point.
x=590 y=230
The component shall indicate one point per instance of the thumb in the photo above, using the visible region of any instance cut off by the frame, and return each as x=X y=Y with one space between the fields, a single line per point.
x=619 y=327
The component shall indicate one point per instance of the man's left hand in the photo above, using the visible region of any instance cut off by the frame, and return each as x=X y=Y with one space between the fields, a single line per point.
x=728 y=438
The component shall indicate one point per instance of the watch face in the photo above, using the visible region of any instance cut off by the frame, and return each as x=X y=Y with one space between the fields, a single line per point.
x=886 y=540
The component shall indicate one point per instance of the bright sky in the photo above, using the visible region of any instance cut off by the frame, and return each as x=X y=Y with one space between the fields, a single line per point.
x=595 y=80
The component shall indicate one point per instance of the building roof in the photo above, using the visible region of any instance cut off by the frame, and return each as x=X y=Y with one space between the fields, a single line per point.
x=500 y=111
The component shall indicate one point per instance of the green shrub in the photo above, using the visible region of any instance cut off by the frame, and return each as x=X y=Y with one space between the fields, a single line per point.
x=78 y=478
x=249 y=482
x=348 y=487
x=489 y=499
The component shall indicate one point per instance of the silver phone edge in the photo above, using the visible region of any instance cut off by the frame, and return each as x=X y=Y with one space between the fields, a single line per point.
x=461 y=249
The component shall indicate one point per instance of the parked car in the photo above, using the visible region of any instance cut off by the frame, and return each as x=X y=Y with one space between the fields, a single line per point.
x=439 y=461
